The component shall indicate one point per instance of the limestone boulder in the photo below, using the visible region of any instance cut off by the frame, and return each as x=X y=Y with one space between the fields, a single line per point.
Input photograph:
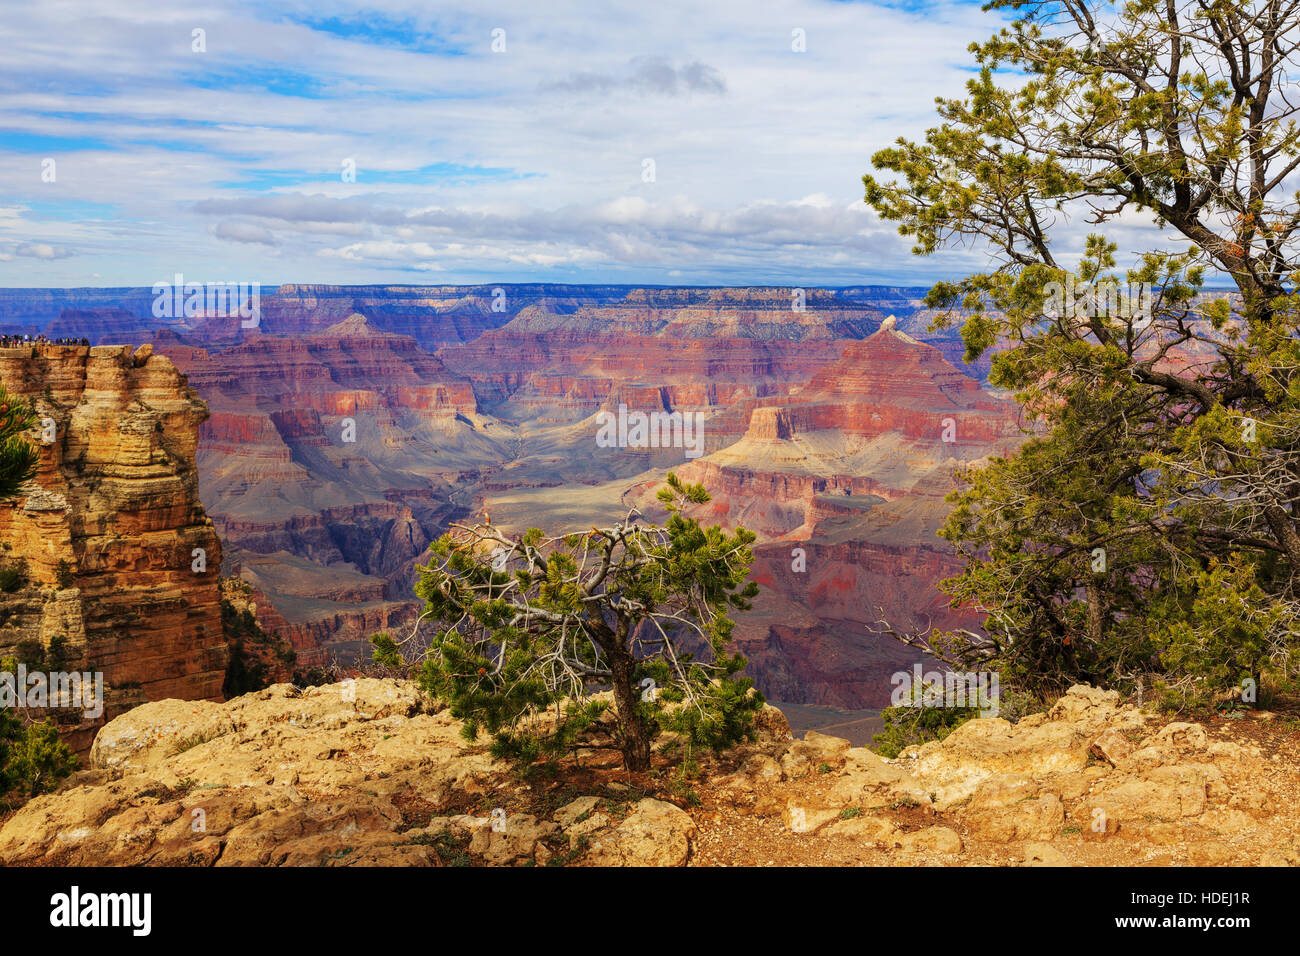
x=510 y=838
x=655 y=833
x=937 y=839
x=813 y=754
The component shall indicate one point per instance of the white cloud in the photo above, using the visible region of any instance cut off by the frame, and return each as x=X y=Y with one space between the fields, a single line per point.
x=237 y=231
x=511 y=166
x=646 y=75
x=39 y=250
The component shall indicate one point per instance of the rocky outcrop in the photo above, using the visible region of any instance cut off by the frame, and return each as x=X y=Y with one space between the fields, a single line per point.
x=122 y=562
x=369 y=772
x=346 y=774
x=1040 y=792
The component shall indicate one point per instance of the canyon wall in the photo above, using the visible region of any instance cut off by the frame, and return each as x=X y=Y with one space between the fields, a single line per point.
x=121 y=562
x=354 y=424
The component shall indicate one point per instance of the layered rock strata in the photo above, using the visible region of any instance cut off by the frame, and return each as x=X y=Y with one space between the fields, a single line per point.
x=118 y=559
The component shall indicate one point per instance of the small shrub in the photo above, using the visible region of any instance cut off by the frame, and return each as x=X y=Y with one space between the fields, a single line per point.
x=30 y=652
x=1013 y=704
x=251 y=652
x=32 y=759
x=906 y=726
x=451 y=849
x=13 y=575
x=576 y=849
x=192 y=741
x=57 y=654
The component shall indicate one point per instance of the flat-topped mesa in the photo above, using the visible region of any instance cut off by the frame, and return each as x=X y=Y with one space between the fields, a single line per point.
x=121 y=560
x=347 y=366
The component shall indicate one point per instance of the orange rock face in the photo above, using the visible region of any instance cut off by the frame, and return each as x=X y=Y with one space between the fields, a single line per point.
x=122 y=561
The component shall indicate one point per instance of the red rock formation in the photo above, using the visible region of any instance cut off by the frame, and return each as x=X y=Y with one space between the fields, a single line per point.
x=122 y=559
x=332 y=447
x=814 y=436
x=579 y=370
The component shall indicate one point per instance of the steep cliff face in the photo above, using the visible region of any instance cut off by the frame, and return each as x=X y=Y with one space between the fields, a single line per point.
x=329 y=466
x=121 y=560
x=709 y=348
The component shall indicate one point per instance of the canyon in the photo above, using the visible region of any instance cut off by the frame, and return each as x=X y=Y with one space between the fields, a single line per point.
x=352 y=425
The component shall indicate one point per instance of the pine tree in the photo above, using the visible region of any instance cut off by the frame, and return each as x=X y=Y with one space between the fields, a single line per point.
x=532 y=624
x=18 y=456
x=32 y=759
x=1161 y=484
x=38 y=759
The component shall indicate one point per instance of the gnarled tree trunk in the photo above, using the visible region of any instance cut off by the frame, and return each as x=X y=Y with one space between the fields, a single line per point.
x=635 y=736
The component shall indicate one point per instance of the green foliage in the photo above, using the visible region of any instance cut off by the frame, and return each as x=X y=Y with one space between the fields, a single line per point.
x=386 y=652
x=64 y=575
x=252 y=652
x=193 y=740
x=1226 y=633
x=451 y=849
x=29 y=652
x=1015 y=704
x=56 y=655
x=575 y=851
x=1147 y=530
x=13 y=575
x=1111 y=544
x=531 y=626
x=18 y=456
x=32 y=759
x=914 y=723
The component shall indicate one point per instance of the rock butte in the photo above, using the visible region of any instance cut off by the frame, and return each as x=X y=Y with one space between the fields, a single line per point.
x=115 y=504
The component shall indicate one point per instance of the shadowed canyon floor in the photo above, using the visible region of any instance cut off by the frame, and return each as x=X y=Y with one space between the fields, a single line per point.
x=373 y=773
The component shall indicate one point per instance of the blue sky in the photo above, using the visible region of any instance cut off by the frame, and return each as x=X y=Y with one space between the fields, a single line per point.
x=525 y=163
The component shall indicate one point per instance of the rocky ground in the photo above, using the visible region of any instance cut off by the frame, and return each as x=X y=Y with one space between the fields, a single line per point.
x=371 y=773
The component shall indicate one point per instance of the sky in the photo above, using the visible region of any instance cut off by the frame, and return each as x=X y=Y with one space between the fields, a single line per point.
x=625 y=141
